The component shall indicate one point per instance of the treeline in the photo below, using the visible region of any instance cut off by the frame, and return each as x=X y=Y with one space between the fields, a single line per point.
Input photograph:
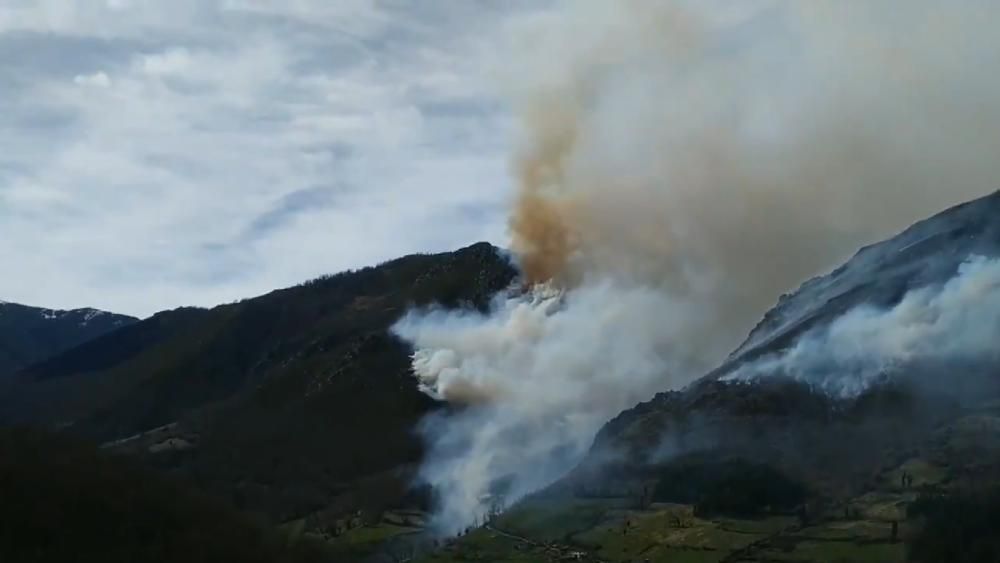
x=62 y=500
x=735 y=487
x=963 y=528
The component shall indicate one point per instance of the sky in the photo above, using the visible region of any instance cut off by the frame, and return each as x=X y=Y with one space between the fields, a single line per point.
x=156 y=154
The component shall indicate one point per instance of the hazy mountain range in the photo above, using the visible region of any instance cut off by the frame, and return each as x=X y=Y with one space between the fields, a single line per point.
x=32 y=334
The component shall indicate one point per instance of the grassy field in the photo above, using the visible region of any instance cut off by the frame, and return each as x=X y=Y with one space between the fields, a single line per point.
x=857 y=528
x=603 y=531
x=354 y=545
x=549 y=528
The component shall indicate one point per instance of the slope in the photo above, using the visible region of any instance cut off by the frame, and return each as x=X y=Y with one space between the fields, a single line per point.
x=280 y=402
x=776 y=469
x=927 y=254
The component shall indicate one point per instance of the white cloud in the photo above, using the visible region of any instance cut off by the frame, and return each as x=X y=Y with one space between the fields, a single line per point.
x=149 y=150
x=171 y=62
x=98 y=79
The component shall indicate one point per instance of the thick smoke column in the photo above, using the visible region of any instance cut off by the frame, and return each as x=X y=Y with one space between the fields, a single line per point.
x=680 y=165
x=540 y=375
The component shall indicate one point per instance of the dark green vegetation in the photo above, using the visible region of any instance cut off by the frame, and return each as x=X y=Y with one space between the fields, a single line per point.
x=30 y=334
x=965 y=527
x=735 y=487
x=720 y=507
x=66 y=501
x=297 y=405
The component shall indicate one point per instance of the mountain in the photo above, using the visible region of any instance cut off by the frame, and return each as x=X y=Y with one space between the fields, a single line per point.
x=31 y=334
x=299 y=408
x=929 y=252
x=283 y=404
x=778 y=468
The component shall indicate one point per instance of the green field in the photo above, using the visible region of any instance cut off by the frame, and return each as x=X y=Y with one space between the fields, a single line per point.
x=856 y=528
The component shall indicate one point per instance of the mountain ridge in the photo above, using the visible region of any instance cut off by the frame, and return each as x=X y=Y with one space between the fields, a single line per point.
x=31 y=334
x=927 y=253
x=272 y=404
x=776 y=467
x=894 y=264
x=247 y=399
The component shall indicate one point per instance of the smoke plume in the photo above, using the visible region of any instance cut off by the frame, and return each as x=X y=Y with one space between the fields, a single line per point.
x=679 y=165
x=954 y=324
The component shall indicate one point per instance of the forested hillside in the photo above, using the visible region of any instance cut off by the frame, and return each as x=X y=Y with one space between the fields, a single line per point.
x=280 y=403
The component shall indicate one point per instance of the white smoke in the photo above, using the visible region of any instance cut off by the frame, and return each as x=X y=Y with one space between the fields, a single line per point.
x=542 y=372
x=681 y=164
x=956 y=323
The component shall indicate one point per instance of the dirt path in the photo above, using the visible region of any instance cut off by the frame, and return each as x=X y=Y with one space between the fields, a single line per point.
x=512 y=536
x=562 y=549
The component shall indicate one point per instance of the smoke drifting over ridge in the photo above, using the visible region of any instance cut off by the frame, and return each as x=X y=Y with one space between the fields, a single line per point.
x=948 y=327
x=680 y=165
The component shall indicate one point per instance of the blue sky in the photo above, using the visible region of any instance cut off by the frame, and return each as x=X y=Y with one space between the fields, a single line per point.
x=156 y=154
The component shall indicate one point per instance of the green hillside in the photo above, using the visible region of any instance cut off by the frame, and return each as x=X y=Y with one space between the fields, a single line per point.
x=280 y=403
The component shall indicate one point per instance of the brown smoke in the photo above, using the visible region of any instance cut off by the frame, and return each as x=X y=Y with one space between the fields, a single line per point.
x=682 y=164
x=663 y=144
x=541 y=224
x=541 y=237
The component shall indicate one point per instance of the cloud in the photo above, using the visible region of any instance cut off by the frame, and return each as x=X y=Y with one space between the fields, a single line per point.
x=288 y=207
x=196 y=152
x=97 y=79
